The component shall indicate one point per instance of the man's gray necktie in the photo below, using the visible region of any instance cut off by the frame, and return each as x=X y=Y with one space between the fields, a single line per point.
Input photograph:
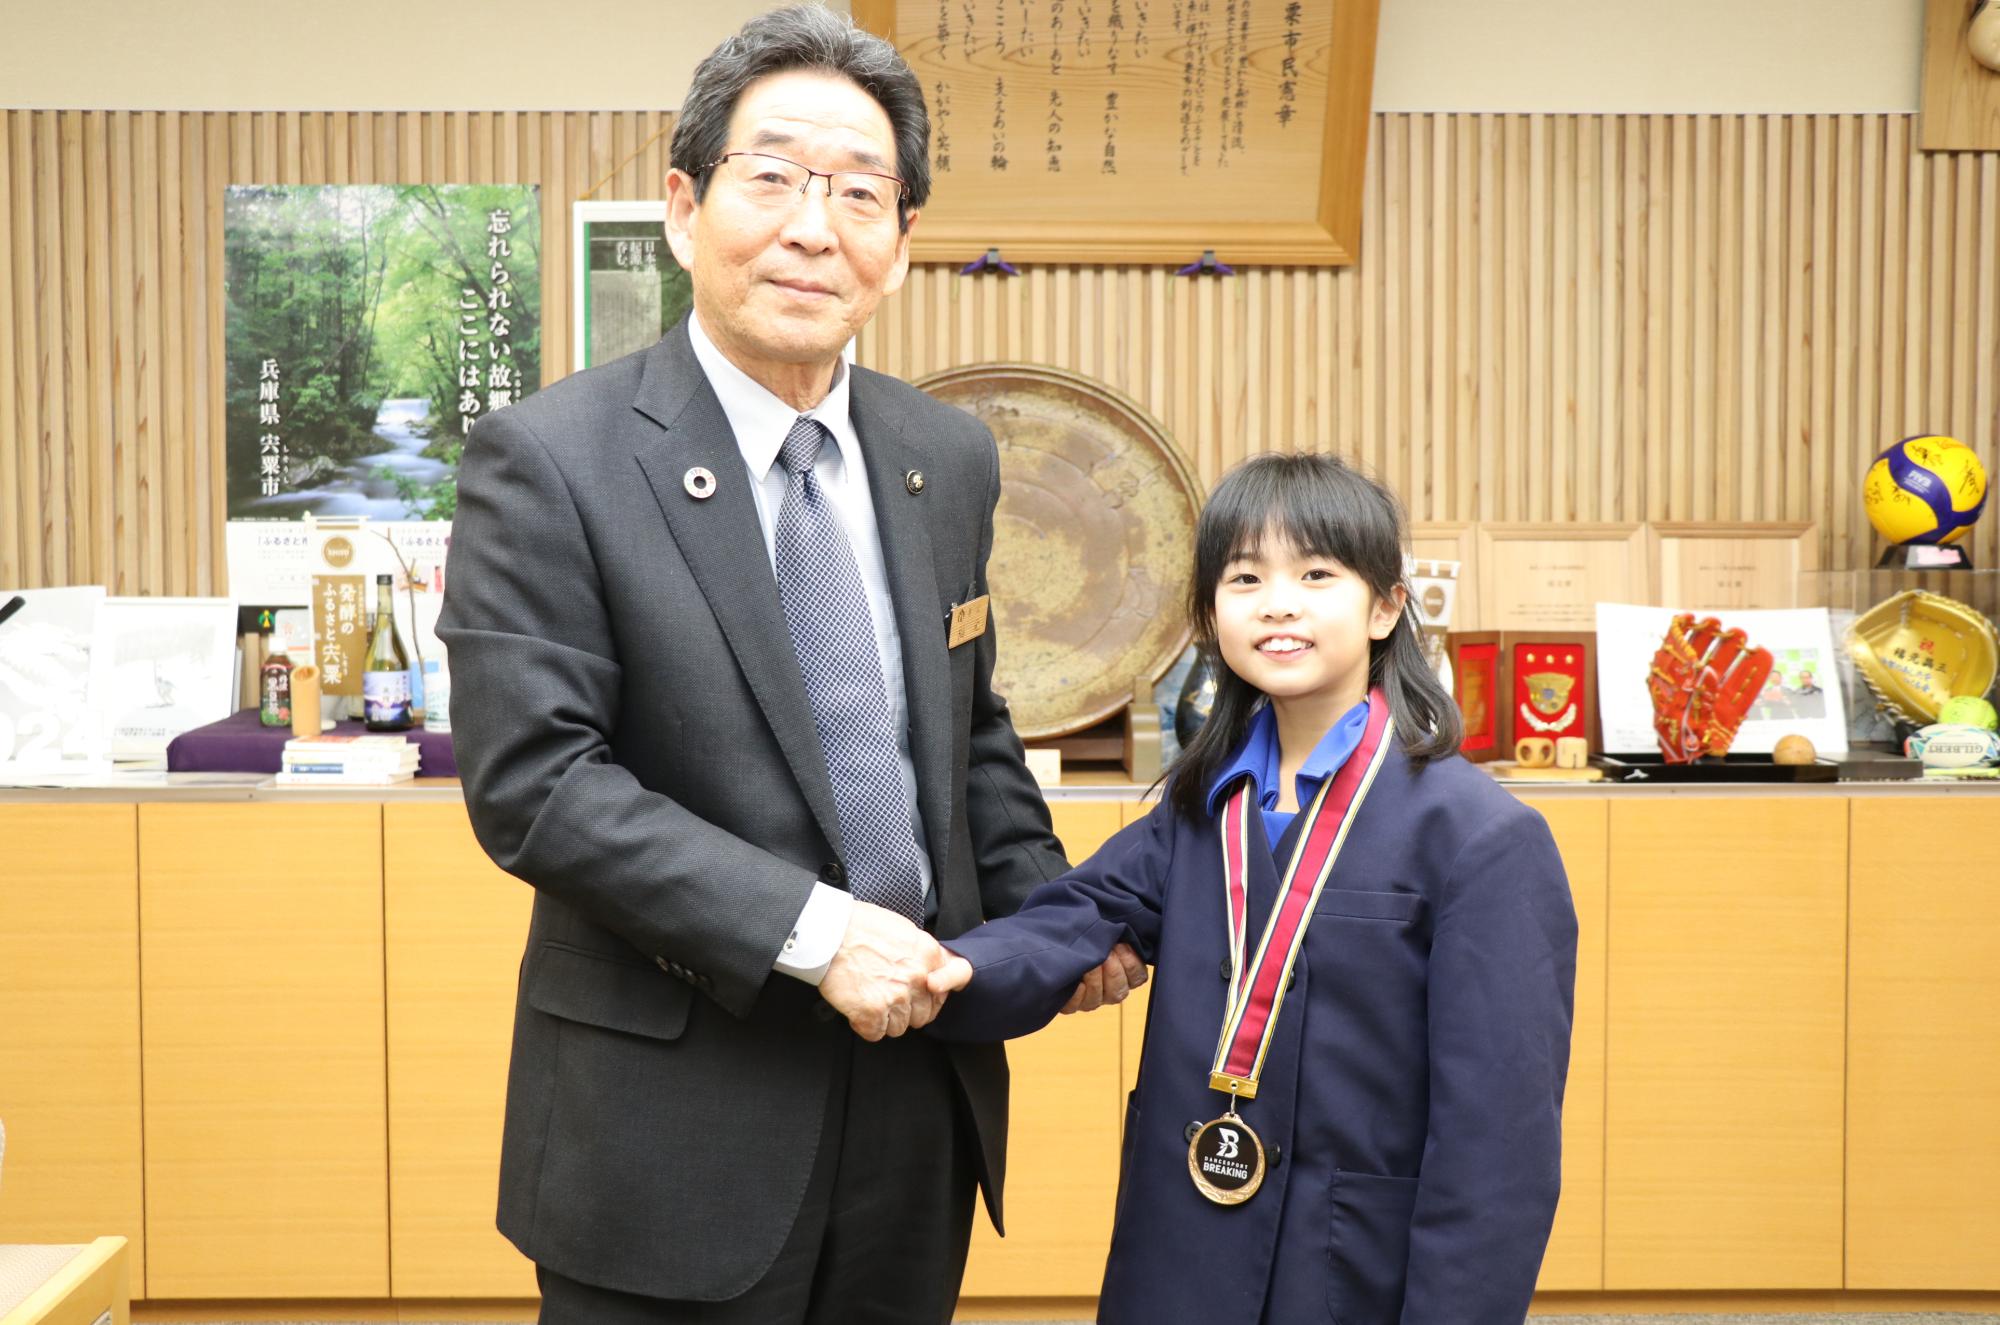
x=826 y=610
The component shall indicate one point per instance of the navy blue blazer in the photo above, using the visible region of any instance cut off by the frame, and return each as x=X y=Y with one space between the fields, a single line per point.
x=1412 y=1097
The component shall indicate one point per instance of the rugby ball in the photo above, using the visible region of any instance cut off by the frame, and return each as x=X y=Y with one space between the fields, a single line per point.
x=1953 y=745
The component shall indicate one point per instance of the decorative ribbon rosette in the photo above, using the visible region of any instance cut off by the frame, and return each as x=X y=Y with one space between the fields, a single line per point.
x=1918 y=649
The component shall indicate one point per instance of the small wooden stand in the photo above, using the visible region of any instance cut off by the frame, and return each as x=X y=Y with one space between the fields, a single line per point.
x=1129 y=740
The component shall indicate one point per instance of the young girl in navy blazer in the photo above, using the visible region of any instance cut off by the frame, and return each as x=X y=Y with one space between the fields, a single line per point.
x=1350 y=1096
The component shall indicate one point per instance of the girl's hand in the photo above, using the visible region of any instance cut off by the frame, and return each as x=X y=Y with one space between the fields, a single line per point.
x=1109 y=983
x=954 y=975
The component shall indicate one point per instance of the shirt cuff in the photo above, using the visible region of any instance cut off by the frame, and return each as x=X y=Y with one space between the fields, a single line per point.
x=817 y=936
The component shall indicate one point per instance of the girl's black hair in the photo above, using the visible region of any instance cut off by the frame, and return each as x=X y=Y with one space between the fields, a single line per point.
x=1325 y=508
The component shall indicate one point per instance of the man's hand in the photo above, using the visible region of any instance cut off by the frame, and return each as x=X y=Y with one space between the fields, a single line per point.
x=1120 y=974
x=877 y=980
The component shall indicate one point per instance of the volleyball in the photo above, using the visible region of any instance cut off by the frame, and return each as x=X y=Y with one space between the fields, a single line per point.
x=1925 y=490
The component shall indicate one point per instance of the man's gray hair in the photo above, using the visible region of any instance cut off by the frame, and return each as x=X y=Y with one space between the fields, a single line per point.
x=812 y=38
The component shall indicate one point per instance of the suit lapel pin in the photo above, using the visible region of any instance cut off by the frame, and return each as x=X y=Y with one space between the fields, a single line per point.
x=700 y=484
x=914 y=481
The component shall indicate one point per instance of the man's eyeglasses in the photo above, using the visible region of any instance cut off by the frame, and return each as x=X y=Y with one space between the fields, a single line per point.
x=772 y=181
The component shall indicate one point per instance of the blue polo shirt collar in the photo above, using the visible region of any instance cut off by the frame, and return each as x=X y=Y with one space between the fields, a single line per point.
x=1258 y=758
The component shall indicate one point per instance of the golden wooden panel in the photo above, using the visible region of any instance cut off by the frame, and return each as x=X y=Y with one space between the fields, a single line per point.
x=267 y=1171
x=1961 y=97
x=1526 y=339
x=1724 y=1043
x=1062 y=1136
x=94 y=1288
x=453 y=928
x=1923 y=1044
x=69 y=1025
x=1062 y=1164
x=1575 y=1258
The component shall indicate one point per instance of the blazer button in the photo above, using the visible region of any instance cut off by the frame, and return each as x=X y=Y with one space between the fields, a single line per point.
x=836 y=874
x=1225 y=968
x=1189 y=1132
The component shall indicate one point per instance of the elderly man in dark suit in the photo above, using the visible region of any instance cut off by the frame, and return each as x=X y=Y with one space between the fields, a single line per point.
x=717 y=622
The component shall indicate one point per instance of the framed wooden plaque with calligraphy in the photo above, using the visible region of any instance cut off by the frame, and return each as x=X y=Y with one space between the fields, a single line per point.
x=1720 y=565
x=1140 y=131
x=1552 y=576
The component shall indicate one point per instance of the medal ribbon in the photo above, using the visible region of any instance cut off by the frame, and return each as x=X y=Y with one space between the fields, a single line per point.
x=1257 y=989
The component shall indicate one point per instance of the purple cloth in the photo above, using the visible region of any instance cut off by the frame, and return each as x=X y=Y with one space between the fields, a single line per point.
x=241 y=744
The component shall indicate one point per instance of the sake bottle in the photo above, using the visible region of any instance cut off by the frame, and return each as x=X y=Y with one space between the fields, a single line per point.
x=385 y=675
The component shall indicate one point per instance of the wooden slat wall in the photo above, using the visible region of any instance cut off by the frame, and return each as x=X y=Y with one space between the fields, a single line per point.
x=1554 y=318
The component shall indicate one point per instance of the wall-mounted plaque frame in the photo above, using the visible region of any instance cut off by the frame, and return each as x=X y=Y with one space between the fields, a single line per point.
x=1551 y=576
x=1123 y=131
x=1718 y=565
x=628 y=288
x=1452 y=540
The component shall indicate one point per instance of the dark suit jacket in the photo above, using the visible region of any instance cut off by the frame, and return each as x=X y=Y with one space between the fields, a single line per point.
x=1413 y=1090
x=635 y=741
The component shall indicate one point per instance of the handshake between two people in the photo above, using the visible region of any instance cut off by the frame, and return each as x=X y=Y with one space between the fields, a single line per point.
x=889 y=976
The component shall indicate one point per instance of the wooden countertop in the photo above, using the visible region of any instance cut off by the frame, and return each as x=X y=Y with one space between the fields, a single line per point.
x=1088 y=786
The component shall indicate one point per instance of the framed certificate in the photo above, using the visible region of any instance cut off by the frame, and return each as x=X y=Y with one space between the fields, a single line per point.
x=1552 y=576
x=1731 y=565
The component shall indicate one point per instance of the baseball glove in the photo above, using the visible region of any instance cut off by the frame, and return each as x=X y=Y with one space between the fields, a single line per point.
x=1703 y=681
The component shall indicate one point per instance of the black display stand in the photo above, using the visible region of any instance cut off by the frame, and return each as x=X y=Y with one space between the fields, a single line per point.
x=1925 y=556
x=1730 y=768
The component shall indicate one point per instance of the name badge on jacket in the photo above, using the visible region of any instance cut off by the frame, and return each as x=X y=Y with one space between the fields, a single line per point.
x=967 y=621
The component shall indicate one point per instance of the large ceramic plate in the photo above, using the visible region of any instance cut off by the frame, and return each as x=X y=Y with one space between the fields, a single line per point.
x=1916 y=650
x=1091 y=544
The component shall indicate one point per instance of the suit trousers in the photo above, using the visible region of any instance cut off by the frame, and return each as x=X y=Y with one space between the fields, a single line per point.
x=881 y=1233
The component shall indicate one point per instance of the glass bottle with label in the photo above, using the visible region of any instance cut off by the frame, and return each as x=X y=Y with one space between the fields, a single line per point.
x=274 y=687
x=385 y=675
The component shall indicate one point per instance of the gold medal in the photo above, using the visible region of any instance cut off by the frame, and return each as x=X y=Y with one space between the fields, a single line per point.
x=1226 y=1160
x=1225 y=1157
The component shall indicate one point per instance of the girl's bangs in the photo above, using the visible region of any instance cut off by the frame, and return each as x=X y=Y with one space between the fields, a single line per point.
x=1321 y=511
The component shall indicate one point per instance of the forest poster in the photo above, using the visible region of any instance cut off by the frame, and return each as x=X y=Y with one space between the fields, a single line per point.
x=369 y=326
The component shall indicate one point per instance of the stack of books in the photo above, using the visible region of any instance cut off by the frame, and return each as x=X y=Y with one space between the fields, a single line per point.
x=348 y=761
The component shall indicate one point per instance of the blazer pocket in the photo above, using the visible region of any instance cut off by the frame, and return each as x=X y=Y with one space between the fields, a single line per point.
x=1368 y=1247
x=599 y=989
x=1369 y=906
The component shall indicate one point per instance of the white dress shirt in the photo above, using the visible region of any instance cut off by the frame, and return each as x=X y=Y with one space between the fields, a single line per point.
x=760 y=421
